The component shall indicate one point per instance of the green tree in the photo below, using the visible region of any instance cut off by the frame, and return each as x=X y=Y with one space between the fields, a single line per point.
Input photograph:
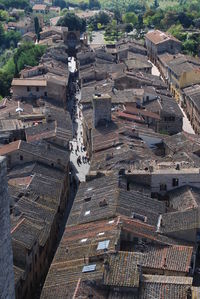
x=170 y=18
x=5 y=83
x=112 y=32
x=128 y=27
x=156 y=4
x=11 y=39
x=2 y=35
x=191 y=46
x=60 y=3
x=27 y=54
x=94 y=4
x=37 y=27
x=73 y=22
x=83 y=5
x=138 y=7
x=3 y=15
x=140 y=22
x=185 y=19
x=100 y=18
x=130 y=17
x=24 y=4
x=117 y=15
x=178 y=32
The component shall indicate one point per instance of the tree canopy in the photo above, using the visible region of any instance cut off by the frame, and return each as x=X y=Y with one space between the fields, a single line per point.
x=99 y=18
x=60 y=3
x=73 y=22
x=23 y=4
x=94 y=4
x=8 y=39
x=130 y=17
x=26 y=54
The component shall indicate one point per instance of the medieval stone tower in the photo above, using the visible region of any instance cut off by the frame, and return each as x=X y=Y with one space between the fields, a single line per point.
x=6 y=257
x=101 y=109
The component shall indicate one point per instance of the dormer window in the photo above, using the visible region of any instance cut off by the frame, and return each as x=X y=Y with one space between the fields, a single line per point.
x=139 y=217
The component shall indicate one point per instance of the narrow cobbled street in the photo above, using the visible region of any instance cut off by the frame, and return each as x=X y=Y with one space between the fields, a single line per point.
x=79 y=158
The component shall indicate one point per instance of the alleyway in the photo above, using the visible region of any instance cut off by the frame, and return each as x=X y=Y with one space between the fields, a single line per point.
x=186 y=123
x=78 y=157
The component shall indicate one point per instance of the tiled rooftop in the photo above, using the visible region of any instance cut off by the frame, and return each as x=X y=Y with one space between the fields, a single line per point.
x=157 y=36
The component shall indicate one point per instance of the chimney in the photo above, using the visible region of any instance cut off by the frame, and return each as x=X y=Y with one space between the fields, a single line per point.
x=101 y=109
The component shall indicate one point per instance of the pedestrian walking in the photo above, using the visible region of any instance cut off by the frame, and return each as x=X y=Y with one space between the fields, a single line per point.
x=79 y=160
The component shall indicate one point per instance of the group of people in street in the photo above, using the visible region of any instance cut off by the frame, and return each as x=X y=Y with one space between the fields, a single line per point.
x=77 y=145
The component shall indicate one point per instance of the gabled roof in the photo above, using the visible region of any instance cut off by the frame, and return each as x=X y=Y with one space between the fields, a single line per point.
x=171 y=258
x=26 y=233
x=165 y=287
x=39 y=7
x=29 y=82
x=9 y=148
x=101 y=198
x=40 y=150
x=180 y=221
x=184 y=198
x=123 y=270
x=157 y=37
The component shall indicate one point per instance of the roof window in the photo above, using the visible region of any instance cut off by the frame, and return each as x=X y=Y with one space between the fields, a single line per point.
x=89 y=268
x=103 y=245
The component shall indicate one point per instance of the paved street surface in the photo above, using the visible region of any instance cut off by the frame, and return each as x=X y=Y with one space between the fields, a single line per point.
x=155 y=70
x=78 y=157
x=71 y=64
x=186 y=123
x=78 y=152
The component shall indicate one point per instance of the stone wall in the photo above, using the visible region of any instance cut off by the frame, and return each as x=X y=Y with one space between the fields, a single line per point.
x=6 y=256
x=101 y=109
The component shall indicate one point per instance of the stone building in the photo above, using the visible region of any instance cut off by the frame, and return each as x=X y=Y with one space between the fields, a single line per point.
x=101 y=109
x=40 y=9
x=29 y=37
x=6 y=256
x=191 y=100
x=50 y=87
x=158 y=42
x=23 y=26
x=183 y=71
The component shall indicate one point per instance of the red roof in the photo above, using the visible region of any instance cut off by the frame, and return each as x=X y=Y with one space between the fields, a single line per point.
x=130 y=116
x=8 y=148
x=143 y=112
x=157 y=37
